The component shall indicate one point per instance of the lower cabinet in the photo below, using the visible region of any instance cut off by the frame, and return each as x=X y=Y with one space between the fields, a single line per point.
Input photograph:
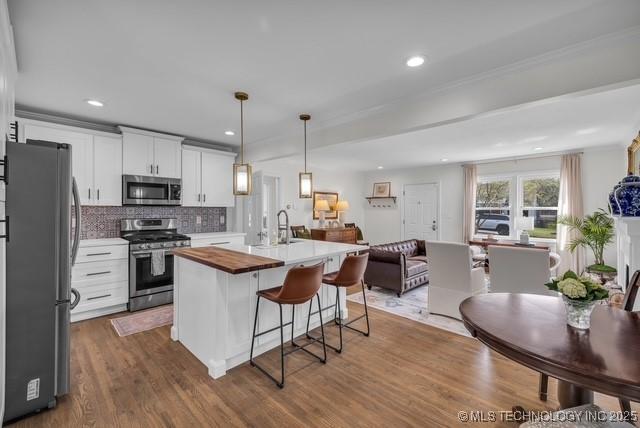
x=101 y=276
x=197 y=242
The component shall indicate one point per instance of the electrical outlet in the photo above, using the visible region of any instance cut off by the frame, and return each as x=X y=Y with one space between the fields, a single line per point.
x=198 y=219
x=222 y=220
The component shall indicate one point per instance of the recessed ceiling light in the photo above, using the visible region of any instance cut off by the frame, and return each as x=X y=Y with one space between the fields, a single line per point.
x=380 y=167
x=95 y=103
x=444 y=160
x=415 y=61
x=587 y=131
x=537 y=149
x=229 y=132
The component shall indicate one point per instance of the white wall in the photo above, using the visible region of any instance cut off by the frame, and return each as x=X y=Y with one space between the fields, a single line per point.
x=348 y=185
x=602 y=168
x=385 y=224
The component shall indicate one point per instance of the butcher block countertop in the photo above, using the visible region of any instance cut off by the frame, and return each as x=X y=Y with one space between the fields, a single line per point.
x=233 y=262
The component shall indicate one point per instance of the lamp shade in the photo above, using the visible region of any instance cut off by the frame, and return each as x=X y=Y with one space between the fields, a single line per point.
x=322 y=205
x=306 y=185
x=524 y=223
x=241 y=179
x=342 y=205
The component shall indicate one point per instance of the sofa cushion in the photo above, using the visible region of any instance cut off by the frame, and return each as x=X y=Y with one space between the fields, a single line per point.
x=419 y=258
x=416 y=267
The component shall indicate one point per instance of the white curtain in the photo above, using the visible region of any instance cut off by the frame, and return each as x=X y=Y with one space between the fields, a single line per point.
x=570 y=203
x=469 y=218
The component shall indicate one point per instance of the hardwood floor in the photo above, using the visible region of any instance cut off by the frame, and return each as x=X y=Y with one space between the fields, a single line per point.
x=405 y=374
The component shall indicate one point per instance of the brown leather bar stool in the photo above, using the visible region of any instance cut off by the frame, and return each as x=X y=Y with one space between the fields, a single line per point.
x=351 y=273
x=300 y=286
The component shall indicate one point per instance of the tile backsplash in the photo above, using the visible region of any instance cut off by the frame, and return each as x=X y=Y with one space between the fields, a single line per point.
x=104 y=222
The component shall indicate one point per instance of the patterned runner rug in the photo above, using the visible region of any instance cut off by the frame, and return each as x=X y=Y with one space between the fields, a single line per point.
x=412 y=305
x=143 y=321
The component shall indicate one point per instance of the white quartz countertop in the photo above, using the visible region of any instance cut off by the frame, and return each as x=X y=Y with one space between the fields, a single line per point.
x=297 y=252
x=104 y=242
x=214 y=235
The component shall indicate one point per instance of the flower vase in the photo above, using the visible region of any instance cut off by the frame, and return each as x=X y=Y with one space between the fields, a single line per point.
x=578 y=312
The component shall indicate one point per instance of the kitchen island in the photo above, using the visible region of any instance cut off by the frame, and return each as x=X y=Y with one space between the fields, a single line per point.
x=215 y=297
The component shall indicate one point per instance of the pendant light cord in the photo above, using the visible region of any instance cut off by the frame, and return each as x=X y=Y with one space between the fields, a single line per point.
x=241 y=132
x=305 y=146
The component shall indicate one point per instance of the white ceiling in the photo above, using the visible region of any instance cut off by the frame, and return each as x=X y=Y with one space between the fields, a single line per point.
x=173 y=66
x=605 y=118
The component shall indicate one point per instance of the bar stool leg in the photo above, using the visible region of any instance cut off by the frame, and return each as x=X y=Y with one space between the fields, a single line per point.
x=293 y=317
x=366 y=310
x=281 y=384
x=324 y=345
x=253 y=338
x=338 y=319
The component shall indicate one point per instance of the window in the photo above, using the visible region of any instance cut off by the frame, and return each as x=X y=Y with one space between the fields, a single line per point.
x=535 y=196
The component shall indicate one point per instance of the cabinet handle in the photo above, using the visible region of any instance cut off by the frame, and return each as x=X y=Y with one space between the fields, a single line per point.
x=157 y=170
x=98 y=297
x=98 y=194
x=89 y=193
x=98 y=254
x=198 y=197
x=151 y=168
x=99 y=273
x=204 y=197
x=219 y=243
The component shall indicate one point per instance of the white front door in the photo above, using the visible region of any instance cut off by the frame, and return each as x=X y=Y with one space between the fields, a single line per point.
x=421 y=211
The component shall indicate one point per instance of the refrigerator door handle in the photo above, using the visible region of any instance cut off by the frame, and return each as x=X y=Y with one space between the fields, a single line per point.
x=76 y=238
x=75 y=302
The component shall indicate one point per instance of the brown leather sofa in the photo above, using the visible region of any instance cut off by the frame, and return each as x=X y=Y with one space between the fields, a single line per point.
x=398 y=266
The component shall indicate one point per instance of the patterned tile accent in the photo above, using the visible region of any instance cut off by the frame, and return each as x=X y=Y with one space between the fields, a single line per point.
x=104 y=222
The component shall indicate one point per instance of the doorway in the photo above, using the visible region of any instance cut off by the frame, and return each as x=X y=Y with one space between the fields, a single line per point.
x=260 y=208
x=421 y=211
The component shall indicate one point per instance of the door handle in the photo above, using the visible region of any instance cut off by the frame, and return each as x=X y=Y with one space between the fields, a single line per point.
x=77 y=300
x=433 y=226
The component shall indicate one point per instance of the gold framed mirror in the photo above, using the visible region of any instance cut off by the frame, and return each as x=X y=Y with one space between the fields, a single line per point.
x=633 y=156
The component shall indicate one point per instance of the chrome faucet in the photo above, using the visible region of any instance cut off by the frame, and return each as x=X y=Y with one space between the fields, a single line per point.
x=283 y=227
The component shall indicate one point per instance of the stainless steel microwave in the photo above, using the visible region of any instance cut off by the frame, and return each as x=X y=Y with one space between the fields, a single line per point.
x=145 y=190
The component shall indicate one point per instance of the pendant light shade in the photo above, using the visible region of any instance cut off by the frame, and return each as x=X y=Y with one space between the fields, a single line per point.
x=241 y=171
x=305 y=179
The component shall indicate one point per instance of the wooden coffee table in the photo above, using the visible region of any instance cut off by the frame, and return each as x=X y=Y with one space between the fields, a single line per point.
x=532 y=331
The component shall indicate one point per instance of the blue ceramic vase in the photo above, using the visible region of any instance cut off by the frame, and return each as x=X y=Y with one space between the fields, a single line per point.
x=627 y=196
x=613 y=204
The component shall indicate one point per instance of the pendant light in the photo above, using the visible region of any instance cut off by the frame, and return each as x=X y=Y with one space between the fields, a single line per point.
x=305 y=184
x=241 y=171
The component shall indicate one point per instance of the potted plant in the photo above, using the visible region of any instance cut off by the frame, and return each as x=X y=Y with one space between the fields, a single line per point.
x=596 y=231
x=580 y=295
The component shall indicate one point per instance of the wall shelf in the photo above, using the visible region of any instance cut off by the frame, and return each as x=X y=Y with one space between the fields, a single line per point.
x=381 y=201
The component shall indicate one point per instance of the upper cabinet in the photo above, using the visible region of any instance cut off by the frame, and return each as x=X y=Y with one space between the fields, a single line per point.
x=151 y=153
x=96 y=159
x=207 y=178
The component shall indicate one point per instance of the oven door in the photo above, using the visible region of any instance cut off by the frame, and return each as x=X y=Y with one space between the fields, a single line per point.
x=144 y=190
x=141 y=280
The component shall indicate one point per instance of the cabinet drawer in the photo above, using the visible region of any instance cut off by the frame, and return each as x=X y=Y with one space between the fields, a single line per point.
x=199 y=243
x=90 y=274
x=95 y=254
x=116 y=294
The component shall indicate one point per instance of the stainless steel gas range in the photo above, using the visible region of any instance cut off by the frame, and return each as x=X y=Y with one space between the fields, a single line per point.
x=150 y=260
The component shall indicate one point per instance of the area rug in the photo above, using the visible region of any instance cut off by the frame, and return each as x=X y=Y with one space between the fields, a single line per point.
x=143 y=321
x=411 y=305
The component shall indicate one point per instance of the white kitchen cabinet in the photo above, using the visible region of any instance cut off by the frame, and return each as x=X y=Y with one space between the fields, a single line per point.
x=137 y=156
x=167 y=155
x=191 y=190
x=107 y=170
x=96 y=160
x=207 y=178
x=150 y=153
x=217 y=183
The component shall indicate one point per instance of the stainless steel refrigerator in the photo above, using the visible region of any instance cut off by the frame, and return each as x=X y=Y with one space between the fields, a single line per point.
x=40 y=196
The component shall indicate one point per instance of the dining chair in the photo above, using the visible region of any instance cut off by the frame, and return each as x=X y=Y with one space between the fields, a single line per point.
x=452 y=277
x=520 y=270
x=300 y=232
x=627 y=304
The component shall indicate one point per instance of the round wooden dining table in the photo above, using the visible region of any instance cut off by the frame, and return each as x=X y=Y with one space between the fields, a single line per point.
x=532 y=330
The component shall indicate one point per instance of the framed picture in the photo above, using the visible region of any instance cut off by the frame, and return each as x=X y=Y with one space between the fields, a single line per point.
x=382 y=190
x=331 y=198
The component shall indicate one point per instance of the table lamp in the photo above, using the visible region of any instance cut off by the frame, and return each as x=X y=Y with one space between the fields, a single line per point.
x=322 y=206
x=341 y=207
x=524 y=225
